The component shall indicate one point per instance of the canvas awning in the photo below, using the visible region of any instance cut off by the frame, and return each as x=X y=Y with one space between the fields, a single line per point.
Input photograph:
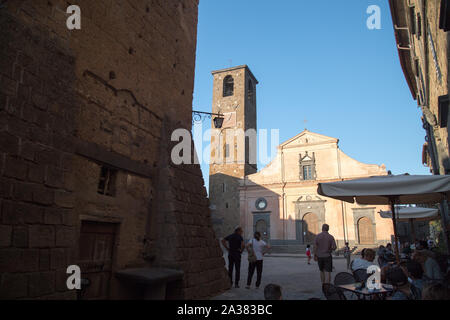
x=405 y=189
x=415 y=213
x=392 y=190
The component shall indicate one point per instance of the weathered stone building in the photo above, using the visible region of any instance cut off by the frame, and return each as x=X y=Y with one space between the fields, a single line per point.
x=86 y=176
x=234 y=96
x=282 y=203
x=423 y=41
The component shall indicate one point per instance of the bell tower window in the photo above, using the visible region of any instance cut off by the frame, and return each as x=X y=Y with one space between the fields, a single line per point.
x=250 y=91
x=228 y=86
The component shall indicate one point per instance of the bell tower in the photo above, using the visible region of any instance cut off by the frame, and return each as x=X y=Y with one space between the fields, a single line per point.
x=233 y=146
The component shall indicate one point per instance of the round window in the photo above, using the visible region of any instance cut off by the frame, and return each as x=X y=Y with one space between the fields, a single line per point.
x=261 y=204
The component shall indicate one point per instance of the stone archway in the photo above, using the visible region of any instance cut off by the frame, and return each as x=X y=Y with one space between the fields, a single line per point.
x=310 y=227
x=365 y=231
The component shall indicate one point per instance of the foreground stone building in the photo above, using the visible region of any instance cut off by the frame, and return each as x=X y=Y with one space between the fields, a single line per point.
x=86 y=177
x=282 y=203
x=423 y=40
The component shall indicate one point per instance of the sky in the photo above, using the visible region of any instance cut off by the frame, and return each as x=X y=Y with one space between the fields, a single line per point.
x=316 y=61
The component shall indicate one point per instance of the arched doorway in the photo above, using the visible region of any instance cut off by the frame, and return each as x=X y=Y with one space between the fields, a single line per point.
x=310 y=227
x=365 y=231
x=261 y=227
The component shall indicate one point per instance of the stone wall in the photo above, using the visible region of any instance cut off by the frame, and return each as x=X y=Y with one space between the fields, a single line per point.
x=74 y=101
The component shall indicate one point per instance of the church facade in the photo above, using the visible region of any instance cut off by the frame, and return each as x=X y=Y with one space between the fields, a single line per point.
x=281 y=200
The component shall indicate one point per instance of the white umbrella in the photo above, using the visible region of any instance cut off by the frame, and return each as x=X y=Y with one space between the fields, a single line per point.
x=416 y=213
x=390 y=189
x=412 y=213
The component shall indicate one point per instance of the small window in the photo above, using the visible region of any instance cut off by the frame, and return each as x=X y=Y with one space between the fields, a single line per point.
x=224 y=187
x=419 y=26
x=228 y=86
x=226 y=205
x=412 y=13
x=444 y=18
x=250 y=91
x=107 y=181
x=444 y=105
x=307 y=172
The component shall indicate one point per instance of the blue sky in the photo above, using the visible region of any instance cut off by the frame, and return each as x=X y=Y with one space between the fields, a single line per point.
x=316 y=61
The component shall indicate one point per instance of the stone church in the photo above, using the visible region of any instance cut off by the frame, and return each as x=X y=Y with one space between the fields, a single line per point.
x=281 y=200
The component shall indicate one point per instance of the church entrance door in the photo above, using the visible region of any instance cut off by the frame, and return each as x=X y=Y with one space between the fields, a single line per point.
x=365 y=231
x=310 y=227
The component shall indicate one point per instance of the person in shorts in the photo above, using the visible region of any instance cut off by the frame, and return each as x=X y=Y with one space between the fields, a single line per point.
x=324 y=245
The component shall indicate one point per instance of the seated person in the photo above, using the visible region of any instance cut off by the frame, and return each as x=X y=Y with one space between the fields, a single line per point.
x=406 y=249
x=432 y=270
x=436 y=291
x=272 y=292
x=365 y=261
x=398 y=279
x=415 y=272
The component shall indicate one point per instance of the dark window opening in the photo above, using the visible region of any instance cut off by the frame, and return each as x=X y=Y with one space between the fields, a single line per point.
x=412 y=12
x=107 y=181
x=250 y=91
x=444 y=19
x=228 y=86
x=444 y=105
x=419 y=25
x=226 y=205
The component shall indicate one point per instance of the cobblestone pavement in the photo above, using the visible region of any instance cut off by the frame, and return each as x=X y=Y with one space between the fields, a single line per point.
x=299 y=281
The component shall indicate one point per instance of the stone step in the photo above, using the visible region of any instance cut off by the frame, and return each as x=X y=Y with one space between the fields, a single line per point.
x=297 y=248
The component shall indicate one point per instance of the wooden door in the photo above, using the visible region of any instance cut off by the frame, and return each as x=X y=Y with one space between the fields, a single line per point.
x=310 y=227
x=365 y=231
x=95 y=258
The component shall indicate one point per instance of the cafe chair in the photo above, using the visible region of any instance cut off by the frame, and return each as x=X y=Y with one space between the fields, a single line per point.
x=332 y=292
x=344 y=278
x=360 y=275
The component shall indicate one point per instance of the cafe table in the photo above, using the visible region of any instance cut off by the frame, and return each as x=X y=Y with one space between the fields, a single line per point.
x=362 y=292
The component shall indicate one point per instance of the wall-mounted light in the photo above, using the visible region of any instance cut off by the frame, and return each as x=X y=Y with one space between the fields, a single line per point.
x=199 y=116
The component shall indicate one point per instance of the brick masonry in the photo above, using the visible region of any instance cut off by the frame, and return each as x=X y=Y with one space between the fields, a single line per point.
x=71 y=101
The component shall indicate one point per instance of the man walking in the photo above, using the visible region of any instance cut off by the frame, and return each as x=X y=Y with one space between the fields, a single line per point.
x=324 y=245
x=234 y=243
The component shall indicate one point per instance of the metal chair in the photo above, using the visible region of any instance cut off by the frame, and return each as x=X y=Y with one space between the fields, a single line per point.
x=344 y=278
x=360 y=275
x=332 y=293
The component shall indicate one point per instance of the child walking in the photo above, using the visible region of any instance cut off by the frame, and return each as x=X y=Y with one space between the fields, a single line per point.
x=308 y=253
x=347 y=254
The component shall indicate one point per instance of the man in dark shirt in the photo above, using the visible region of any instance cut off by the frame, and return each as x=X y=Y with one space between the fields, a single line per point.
x=234 y=243
x=324 y=245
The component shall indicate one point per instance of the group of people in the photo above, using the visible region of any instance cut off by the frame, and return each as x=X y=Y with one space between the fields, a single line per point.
x=418 y=276
x=256 y=247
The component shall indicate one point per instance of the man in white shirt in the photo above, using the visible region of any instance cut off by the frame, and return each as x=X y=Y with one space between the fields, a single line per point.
x=255 y=247
x=365 y=261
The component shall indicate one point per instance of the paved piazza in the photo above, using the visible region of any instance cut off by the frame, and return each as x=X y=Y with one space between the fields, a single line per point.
x=299 y=281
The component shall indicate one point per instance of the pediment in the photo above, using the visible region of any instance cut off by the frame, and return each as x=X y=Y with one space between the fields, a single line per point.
x=307 y=137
